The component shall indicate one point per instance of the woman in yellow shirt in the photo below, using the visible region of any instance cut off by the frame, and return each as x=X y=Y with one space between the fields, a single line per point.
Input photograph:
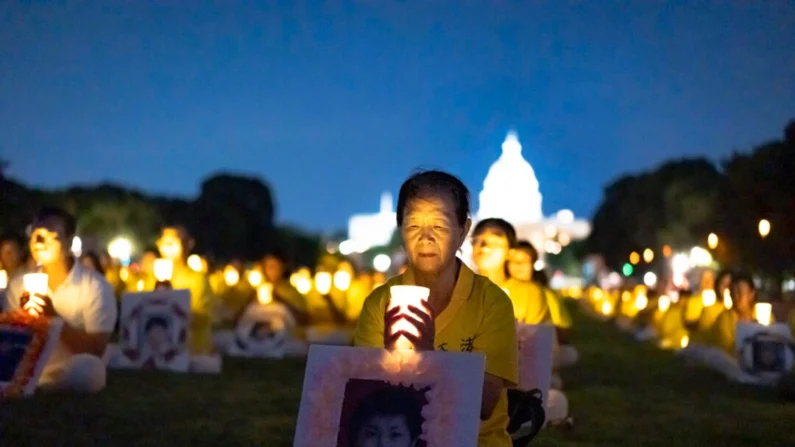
x=469 y=313
x=722 y=333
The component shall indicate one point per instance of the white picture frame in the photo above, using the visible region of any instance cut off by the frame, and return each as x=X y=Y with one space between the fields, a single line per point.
x=776 y=339
x=263 y=331
x=536 y=356
x=26 y=343
x=153 y=331
x=436 y=395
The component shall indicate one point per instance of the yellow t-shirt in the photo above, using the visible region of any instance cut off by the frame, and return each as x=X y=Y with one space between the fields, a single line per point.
x=557 y=310
x=722 y=333
x=530 y=305
x=479 y=318
x=791 y=321
x=694 y=307
x=709 y=315
x=202 y=306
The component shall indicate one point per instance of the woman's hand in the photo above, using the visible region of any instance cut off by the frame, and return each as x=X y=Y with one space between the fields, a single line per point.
x=424 y=325
x=37 y=305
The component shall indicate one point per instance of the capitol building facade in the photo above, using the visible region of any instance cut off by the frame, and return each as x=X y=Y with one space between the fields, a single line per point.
x=510 y=191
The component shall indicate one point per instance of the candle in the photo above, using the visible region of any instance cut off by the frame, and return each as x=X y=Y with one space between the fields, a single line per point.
x=3 y=279
x=708 y=298
x=231 y=276
x=265 y=293
x=35 y=283
x=342 y=280
x=607 y=308
x=164 y=269
x=684 y=342
x=323 y=282
x=727 y=299
x=404 y=296
x=663 y=303
x=764 y=313
x=303 y=285
x=255 y=278
x=641 y=302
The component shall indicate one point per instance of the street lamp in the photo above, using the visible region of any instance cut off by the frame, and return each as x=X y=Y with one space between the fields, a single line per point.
x=764 y=228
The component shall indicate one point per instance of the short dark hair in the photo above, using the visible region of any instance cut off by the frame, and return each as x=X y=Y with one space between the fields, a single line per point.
x=719 y=277
x=392 y=401
x=739 y=277
x=51 y=212
x=500 y=225
x=528 y=248
x=425 y=184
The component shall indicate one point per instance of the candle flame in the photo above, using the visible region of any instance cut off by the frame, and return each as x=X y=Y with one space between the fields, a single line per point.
x=265 y=293
x=764 y=313
x=402 y=297
x=164 y=269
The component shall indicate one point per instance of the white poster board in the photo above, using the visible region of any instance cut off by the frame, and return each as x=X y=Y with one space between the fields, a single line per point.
x=26 y=343
x=536 y=356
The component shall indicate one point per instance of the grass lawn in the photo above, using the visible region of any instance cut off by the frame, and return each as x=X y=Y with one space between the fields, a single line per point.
x=621 y=393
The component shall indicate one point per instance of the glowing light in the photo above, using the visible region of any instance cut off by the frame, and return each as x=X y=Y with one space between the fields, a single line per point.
x=764 y=228
x=625 y=296
x=764 y=313
x=648 y=255
x=700 y=257
x=650 y=279
x=303 y=285
x=140 y=285
x=539 y=265
x=3 y=279
x=634 y=258
x=712 y=241
x=255 y=278
x=550 y=231
x=566 y=216
x=679 y=279
x=347 y=247
x=342 y=280
x=598 y=294
x=664 y=303
x=684 y=342
x=231 y=276
x=265 y=293
x=564 y=239
x=607 y=308
x=641 y=301
x=195 y=263
x=121 y=249
x=124 y=274
x=727 y=299
x=627 y=269
x=667 y=251
x=77 y=246
x=164 y=269
x=382 y=262
x=552 y=247
x=708 y=298
x=680 y=263
x=323 y=282
x=404 y=296
x=35 y=284
x=507 y=292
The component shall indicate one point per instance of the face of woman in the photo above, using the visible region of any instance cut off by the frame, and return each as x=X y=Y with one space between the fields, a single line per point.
x=88 y=264
x=744 y=296
x=385 y=431
x=46 y=241
x=431 y=234
x=520 y=265
x=490 y=250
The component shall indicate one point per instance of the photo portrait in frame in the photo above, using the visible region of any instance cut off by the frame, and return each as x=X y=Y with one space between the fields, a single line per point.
x=153 y=331
x=356 y=396
x=26 y=342
x=765 y=351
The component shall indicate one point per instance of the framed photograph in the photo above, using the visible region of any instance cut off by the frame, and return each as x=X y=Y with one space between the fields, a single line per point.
x=264 y=330
x=26 y=343
x=356 y=397
x=764 y=351
x=536 y=355
x=153 y=330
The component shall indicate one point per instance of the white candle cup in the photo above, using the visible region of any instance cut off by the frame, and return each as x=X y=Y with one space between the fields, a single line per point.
x=402 y=297
x=35 y=283
x=164 y=269
x=323 y=282
x=708 y=298
x=265 y=293
x=3 y=279
x=764 y=313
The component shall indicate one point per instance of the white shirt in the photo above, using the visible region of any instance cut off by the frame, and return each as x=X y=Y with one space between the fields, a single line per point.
x=84 y=301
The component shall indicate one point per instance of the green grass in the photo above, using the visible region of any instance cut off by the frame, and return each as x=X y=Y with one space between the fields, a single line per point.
x=621 y=393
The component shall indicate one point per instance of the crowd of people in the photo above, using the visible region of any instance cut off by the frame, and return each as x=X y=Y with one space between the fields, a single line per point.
x=468 y=310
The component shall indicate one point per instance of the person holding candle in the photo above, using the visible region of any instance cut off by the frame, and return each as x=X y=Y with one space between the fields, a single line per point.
x=465 y=312
x=82 y=299
x=174 y=244
x=722 y=333
x=12 y=257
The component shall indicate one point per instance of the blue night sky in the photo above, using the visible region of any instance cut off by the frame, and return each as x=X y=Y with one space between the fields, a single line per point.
x=334 y=102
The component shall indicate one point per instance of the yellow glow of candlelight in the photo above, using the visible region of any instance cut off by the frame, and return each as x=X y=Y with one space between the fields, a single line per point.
x=303 y=285
x=265 y=293
x=323 y=282
x=342 y=280
x=402 y=297
x=35 y=283
x=708 y=298
x=607 y=308
x=764 y=313
x=663 y=303
x=764 y=227
x=140 y=285
x=641 y=302
x=3 y=279
x=255 y=278
x=124 y=274
x=598 y=294
x=634 y=258
x=712 y=241
x=195 y=263
x=231 y=276
x=648 y=255
x=727 y=299
x=164 y=269
x=684 y=342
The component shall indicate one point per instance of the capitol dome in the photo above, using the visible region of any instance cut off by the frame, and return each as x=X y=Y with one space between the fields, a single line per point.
x=511 y=190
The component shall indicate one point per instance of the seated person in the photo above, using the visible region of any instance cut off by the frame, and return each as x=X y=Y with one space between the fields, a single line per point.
x=82 y=299
x=274 y=268
x=174 y=244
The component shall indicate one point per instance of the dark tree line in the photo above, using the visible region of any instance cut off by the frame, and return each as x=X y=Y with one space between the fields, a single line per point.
x=233 y=216
x=681 y=202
